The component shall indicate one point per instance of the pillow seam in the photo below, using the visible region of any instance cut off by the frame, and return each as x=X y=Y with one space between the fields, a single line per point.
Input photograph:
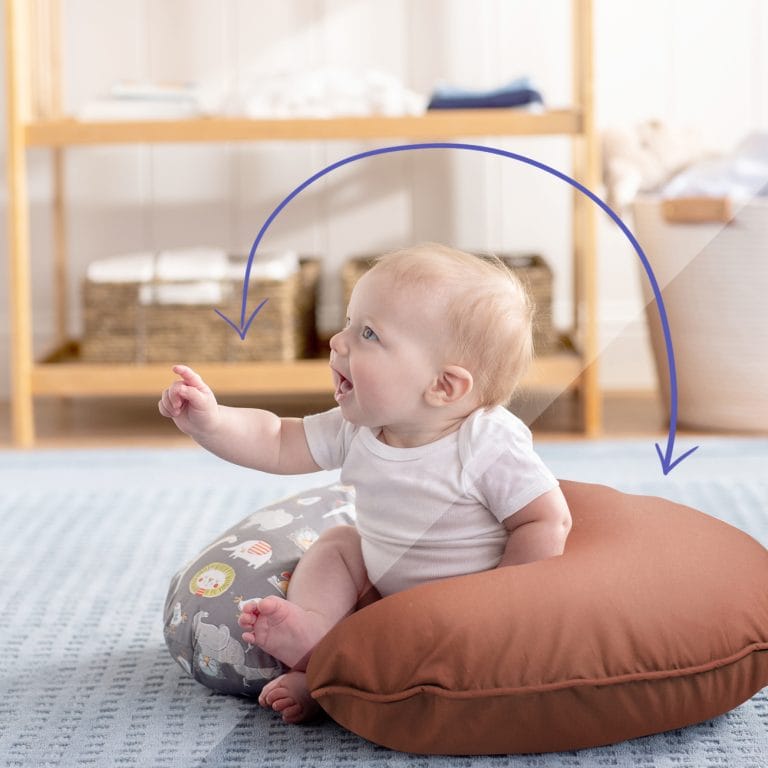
x=633 y=677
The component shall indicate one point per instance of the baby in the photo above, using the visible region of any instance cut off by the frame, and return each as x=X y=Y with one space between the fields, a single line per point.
x=447 y=481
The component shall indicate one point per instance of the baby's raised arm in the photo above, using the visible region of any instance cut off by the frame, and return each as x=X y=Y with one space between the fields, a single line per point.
x=246 y=436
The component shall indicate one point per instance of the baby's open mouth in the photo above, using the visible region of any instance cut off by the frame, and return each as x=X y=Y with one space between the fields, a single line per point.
x=343 y=385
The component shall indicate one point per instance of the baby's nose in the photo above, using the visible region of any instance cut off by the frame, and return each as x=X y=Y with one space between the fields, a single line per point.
x=338 y=343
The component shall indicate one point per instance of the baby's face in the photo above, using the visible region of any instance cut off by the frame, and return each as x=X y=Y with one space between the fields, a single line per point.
x=388 y=353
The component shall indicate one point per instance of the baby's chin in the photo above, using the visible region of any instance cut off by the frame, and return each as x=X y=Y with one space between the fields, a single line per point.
x=353 y=414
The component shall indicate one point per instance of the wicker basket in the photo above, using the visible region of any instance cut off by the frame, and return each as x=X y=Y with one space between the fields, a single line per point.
x=121 y=325
x=352 y=270
x=529 y=267
x=714 y=282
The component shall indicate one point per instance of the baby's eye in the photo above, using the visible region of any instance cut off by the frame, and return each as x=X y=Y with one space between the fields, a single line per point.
x=369 y=334
x=346 y=323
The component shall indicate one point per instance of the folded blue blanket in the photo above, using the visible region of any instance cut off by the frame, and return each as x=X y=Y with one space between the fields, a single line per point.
x=518 y=93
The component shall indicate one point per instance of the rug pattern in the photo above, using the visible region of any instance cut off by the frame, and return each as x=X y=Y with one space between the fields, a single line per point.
x=90 y=540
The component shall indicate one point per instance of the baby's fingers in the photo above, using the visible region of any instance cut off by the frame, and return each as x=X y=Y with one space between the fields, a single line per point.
x=177 y=396
x=163 y=408
x=170 y=404
x=182 y=394
x=190 y=378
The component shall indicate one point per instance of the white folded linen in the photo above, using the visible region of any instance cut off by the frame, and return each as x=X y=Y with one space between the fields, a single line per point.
x=192 y=264
x=136 y=267
x=266 y=266
x=328 y=92
x=145 y=101
x=740 y=175
x=204 y=292
x=189 y=276
x=109 y=110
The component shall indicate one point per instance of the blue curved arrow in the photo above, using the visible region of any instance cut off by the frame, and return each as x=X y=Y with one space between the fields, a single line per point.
x=667 y=462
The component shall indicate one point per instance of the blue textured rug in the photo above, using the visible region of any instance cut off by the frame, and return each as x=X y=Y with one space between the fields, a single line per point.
x=89 y=541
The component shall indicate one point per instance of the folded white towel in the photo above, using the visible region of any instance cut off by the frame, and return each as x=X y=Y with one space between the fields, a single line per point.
x=266 y=266
x=128 y=268
x=188 y=275
x=192 y=264
x=145 y=101
x=329 y=92
x=109 y=110
x=204 y=292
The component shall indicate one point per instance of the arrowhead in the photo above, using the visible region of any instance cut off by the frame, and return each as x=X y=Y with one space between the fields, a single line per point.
x=667 y=464
x=242 y=329
x=236 y=328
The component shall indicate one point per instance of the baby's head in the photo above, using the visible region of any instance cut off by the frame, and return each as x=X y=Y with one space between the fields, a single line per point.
x=486 y=310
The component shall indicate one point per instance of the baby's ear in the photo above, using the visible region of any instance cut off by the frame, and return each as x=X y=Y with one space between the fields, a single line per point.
x=451 y=385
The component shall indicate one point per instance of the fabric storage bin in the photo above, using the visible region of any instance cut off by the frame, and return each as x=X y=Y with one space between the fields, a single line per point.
x=714 y=281
x=159 y=308
x=529 y=267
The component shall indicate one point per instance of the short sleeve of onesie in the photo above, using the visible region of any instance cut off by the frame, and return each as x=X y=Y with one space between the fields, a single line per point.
x=328 y=437
x=501 y=469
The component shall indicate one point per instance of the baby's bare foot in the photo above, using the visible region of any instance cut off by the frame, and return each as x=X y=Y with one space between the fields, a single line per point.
x=283 y=629
x=289 y=695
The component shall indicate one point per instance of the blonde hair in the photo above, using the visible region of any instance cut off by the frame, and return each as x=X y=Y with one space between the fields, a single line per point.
x=489 y=313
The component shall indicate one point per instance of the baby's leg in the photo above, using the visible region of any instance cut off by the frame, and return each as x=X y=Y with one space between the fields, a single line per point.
x=289 y=695
x=329 y=581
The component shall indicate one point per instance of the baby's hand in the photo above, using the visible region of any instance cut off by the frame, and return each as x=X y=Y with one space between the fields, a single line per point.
x=190 y=403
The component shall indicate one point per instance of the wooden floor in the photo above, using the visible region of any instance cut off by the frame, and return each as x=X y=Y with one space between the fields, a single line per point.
x=98 y=422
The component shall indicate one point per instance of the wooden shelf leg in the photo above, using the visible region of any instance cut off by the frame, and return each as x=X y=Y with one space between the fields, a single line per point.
x=587 y=170
x=60 y=256
x=22 y=412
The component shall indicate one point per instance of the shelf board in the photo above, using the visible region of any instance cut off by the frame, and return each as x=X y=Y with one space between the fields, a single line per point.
x=75 y=378
x=432 y=125
x=63 y=374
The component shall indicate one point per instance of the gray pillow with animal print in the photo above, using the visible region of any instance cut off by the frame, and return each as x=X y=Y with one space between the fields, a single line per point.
x=254 y=558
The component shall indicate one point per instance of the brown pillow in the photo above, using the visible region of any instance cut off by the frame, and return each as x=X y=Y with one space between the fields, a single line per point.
x=655 y=617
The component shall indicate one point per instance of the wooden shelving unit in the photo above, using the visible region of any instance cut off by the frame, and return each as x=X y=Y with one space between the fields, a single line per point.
x=61 y=373
x=35 y=120
x=432 y=125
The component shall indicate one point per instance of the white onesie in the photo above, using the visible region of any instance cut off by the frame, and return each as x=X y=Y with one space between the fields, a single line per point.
x=436 y=510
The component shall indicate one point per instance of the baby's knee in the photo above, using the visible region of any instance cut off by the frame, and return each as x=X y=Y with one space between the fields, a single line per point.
x=341 y=536
x=344 y=542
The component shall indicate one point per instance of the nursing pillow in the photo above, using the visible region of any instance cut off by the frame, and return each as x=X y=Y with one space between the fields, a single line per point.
x=254 y=558
x=655 y=617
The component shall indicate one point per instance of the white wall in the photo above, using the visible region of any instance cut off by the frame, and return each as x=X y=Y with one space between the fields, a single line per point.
x=698 y=64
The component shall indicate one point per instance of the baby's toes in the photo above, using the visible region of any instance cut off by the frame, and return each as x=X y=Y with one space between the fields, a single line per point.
x=246 y=620
x=293 y=714
x=280 y=704
x=271 y=691
x=272 y=695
